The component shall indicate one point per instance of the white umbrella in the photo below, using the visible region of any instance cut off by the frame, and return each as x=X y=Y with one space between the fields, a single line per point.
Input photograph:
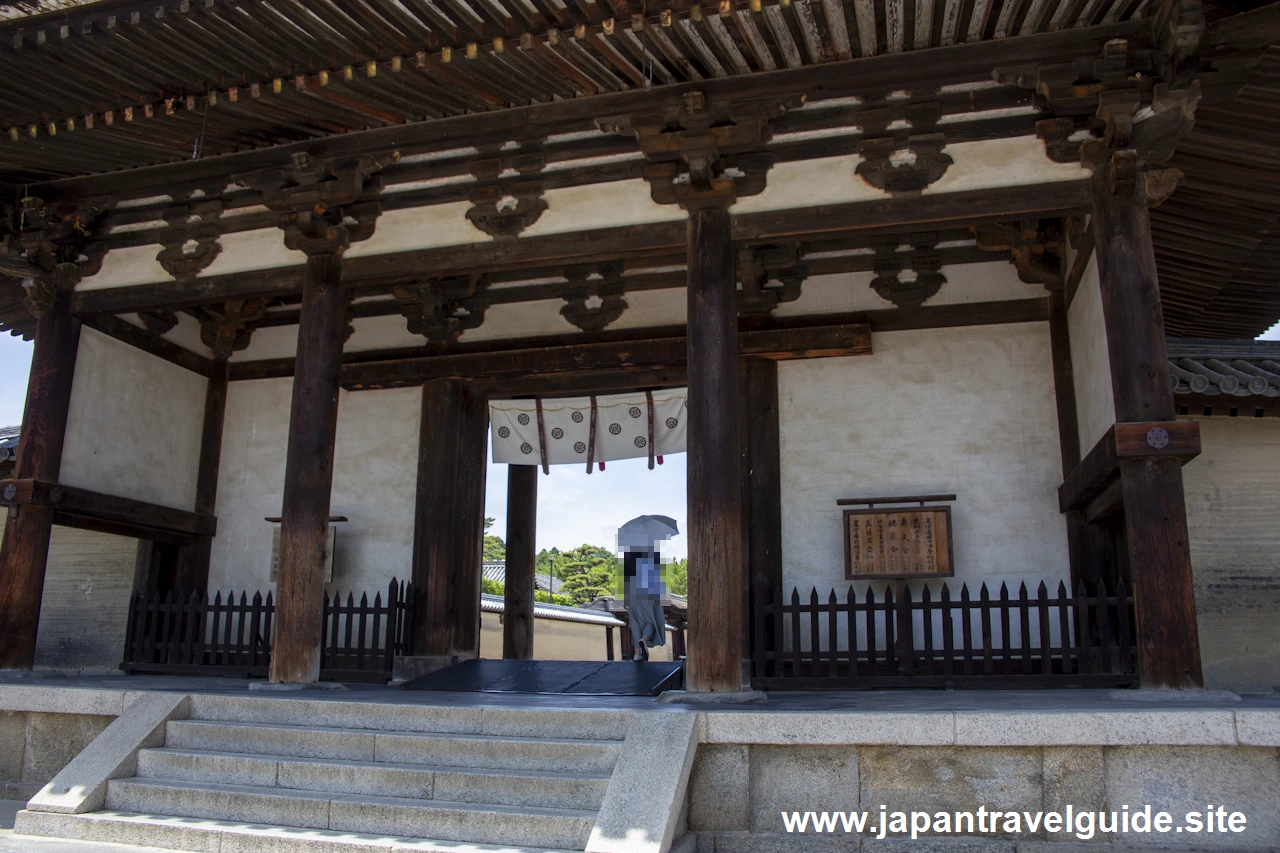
x=643 y=532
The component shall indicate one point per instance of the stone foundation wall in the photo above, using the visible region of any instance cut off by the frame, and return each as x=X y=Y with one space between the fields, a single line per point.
x=737 y=792
x=35 y=745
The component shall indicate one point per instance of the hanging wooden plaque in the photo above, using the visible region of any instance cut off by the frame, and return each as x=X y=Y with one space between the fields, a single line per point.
x=898 y=543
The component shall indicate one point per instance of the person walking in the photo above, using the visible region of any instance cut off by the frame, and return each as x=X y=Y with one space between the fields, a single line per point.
x=643 y=586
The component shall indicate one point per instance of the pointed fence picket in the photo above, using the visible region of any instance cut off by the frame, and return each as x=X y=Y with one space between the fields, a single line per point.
x=934 y=638
x=193 y=635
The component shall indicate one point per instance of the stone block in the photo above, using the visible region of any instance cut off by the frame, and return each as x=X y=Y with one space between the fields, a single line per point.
x=939 y=845
x=936 y=779
x=872 y=728
x=347 y=777
x=516 y=788
x=81 y=785
x=1190 y=726
x=271 y=740
x=1258 y=728
x=219 y=802
x=169 y=833
x=648 y=790
x=1186 y=779
x=803 y=778
x=752 y=842
x=291 y=711
x=1075 y=776
x=13 y=738
x=61 y=699
x=720 y=789
x=557 y=722
x=207 y=767
x=480 y=824
x=583 y=756
x=54 y=739
x=288 y=839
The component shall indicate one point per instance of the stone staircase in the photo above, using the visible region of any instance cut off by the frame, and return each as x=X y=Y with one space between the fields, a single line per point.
x=297 y=775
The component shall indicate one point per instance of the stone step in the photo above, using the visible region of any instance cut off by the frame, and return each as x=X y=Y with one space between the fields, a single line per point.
x=440 y=750
x=477 y=823
x=203 y=835
x=384 y=779
x=441 y=719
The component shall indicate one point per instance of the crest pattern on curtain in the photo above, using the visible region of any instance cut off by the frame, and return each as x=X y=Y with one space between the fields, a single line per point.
x=586 y=430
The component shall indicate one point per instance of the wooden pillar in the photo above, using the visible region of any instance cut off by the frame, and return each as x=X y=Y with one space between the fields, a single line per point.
x=764 y=471
x=24 y=551
x=448 y=526
x=1090 y=547
x=522 y=525
x=193 y=567
x=1159 y=558
x=714 y=468
x=308 y=483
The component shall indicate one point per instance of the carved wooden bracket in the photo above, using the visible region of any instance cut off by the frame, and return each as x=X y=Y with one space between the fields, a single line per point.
x=1124 y=174
x=701 y=153
x=907 y=280
x=1117 y=100
x=441 y=309
x=319 y=201
x=58 y=244
x=760 y=266
x=505 y=209
x=593 y=296
x=226 y=329
x=1036 y=247
x=158 y=322
x=190 y=238
x=906 y=167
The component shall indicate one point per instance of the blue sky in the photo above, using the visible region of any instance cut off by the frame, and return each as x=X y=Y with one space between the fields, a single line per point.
x=573 y=507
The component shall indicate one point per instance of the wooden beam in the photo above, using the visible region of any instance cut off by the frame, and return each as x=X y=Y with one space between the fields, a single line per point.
x=518 y=591
x=126 y=332
x=86 y=503
x=1156 y=537
x=1256 y=29
x=714 y=479
x=1084 y=253
x=653 y=354
x=308 y=482
x=24 y=550
x=193 y=563
x=930 y=212
x=1107 y=502
x=960 y=63
x=1180 y=439
x=763 y=480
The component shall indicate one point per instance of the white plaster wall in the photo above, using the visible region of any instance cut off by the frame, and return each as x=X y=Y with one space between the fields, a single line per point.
x=375 y=476
x=967 y=410
x=259 y=249
x=1090 y=361
x=269 y=342
x=608 y=205
x=521 y=320
x=134 y=424
x=1233 y=503
x=420 y=228
x=125 y=266
x=185 y=334
x=374 y=333
x=85 y=608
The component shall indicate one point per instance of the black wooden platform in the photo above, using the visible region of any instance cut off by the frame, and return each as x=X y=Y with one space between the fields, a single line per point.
x=585 y=678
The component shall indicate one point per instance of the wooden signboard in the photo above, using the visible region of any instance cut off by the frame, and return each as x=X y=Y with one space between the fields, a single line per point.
x=897 y=543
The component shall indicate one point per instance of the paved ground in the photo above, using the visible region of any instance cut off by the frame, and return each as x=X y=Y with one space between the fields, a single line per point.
x=899 y=701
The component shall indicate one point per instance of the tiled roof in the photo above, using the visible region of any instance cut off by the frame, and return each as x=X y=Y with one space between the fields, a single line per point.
x=496 y=570
x=1236 y=368
x=559 y=612
x=8 y=443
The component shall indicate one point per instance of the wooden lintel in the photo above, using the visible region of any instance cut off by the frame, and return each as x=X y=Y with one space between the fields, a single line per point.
x=1122 y=441
x=126 y=332
x=929 y=212
x=72 y=501
x=626 y=356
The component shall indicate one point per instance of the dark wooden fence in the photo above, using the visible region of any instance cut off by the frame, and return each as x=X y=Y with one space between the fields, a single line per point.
x=192 y=635
x=937 y=640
